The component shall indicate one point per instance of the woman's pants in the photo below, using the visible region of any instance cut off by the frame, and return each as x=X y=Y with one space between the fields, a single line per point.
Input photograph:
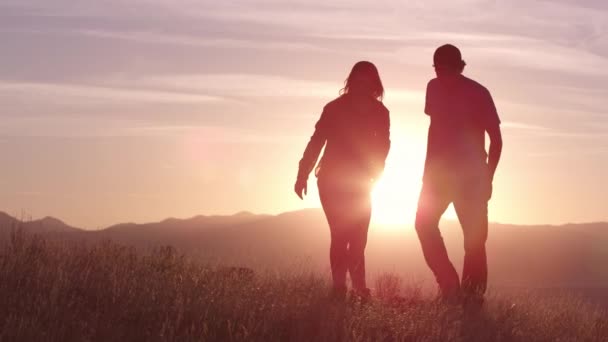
x=347 y=208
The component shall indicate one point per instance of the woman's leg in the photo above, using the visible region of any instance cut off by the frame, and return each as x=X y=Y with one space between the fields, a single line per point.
x=361 y=211
x=332 y=201
x=338 y=258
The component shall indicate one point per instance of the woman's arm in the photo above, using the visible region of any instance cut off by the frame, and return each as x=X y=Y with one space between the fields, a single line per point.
x=383 y=144
x=311 y=153
x=384 y=141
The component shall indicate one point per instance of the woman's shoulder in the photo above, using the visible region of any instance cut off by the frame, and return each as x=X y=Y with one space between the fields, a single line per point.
x=379 y=107
x=336 y=103
x=346 y=101
x=382 y=108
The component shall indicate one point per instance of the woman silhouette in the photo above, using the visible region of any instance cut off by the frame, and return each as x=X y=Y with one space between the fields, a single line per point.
x=355 y=129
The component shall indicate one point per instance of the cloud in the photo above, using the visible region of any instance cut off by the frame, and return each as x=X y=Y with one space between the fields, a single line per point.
x=539 y=55
x=565 y=37
x=278 y=37
x=160 y=38
x=567 y=153
x=523 y=126
x=246 y=85
x=67 y=92
x=205 y=135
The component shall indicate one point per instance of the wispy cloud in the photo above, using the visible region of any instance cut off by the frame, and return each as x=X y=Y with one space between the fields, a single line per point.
x=593 y=152
x=577 y=132
x=174 y=39
x=247 y=85
x=200 y=135
x=67 y=92
x=523 y=126
x=258 y=85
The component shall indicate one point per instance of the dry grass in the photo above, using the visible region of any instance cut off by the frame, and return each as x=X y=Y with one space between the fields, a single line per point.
x=109 y=292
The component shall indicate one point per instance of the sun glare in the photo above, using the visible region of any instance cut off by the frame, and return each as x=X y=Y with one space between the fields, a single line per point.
x=394 y=199
x=395 y=195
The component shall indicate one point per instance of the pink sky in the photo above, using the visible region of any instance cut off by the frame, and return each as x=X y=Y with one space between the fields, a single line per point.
x=138 y=110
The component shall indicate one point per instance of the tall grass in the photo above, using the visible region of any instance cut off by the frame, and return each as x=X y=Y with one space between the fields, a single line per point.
x=51 y=291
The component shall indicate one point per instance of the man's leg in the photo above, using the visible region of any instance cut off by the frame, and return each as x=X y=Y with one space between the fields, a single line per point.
x=472 y=210
x=432 y=204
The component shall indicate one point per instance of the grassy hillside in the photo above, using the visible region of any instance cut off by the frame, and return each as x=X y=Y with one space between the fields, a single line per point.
x=56 y=291
x=571 y=256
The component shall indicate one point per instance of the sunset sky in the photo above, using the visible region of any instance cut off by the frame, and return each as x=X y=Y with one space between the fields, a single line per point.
x=138 y=110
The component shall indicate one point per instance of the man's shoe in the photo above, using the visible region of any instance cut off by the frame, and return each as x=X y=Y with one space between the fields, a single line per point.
x=451 y=296
x=473 y=303
x=338 y=293
x=361 y=296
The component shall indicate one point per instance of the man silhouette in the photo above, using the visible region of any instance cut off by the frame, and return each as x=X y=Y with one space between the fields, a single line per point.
x=458 y=170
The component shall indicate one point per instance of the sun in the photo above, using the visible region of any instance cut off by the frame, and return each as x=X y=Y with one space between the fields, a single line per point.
x=394 y=198
x=395 y=195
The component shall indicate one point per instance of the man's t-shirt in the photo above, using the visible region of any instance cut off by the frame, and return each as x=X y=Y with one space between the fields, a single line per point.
x=460 y=115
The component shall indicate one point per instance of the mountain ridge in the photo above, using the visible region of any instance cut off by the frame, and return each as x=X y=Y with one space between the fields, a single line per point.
x=542 y=255
x=244 y=216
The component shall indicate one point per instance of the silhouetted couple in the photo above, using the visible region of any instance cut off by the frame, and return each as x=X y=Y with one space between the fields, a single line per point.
x=354 y=128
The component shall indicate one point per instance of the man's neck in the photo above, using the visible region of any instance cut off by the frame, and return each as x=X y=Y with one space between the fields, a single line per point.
x=452 y=81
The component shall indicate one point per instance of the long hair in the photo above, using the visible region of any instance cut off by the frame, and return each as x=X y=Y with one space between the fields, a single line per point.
x=364 y=79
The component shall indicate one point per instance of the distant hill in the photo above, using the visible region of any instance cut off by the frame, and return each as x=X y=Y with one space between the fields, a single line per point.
x=47 y=225
x=571 y=255
x=172 y=230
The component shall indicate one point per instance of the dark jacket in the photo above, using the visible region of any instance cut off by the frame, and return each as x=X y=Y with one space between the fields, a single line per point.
x=356 y=131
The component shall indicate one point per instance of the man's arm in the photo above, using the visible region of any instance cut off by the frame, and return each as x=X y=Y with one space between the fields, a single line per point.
x=495 y=149
x=492 y=125
x=428 y=103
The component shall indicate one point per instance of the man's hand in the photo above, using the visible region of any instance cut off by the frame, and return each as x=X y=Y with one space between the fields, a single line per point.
x=494 y=153
x=495 y=149
x=490 y=191
x=489 y=185
x=301 y=188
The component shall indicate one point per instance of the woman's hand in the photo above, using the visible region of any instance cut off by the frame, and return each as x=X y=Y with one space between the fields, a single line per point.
x=301 y=188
